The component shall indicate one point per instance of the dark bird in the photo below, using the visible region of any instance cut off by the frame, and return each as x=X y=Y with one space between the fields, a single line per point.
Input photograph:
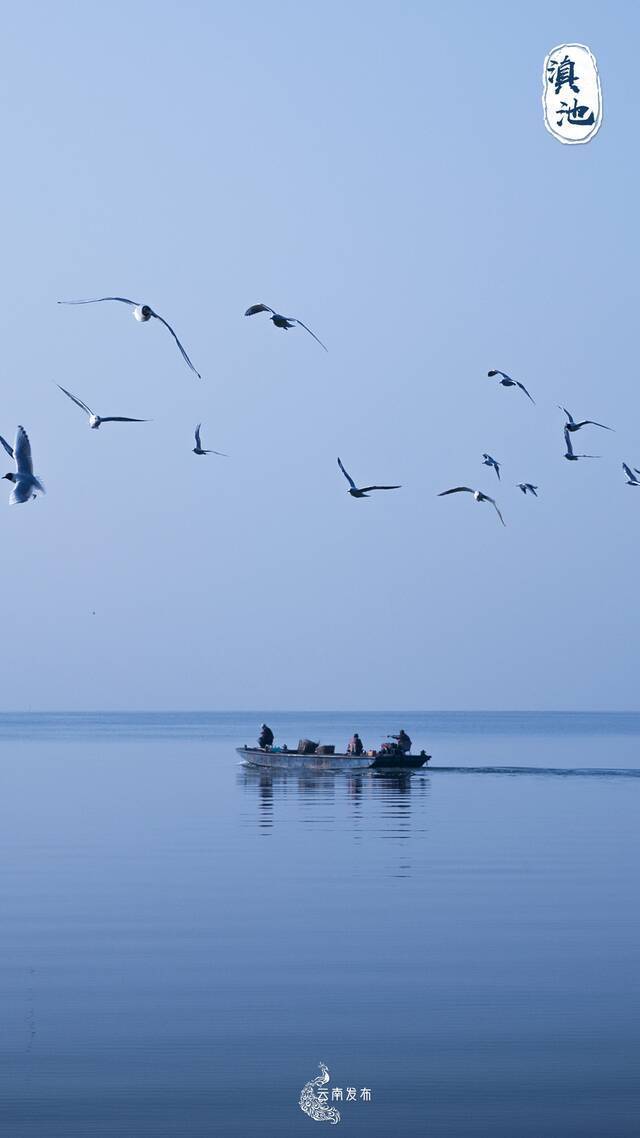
x=507 y=381
x=572 y=426
x=198 y=447
x=570 y=456
x=284 y=322
x=362 y=491
x=9 y=449
x=489 y=461
x=141 y=312
x=96 y=420
x=478 y=495
x=527 y=488
x=633 y=479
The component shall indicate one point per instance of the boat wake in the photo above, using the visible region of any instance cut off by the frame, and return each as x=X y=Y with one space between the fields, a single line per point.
x=562 y=772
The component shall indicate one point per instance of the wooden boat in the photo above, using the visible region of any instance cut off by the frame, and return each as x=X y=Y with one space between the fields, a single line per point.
x=294 y=760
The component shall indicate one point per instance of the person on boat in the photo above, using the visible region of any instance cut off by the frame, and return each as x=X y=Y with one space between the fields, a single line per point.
x=266 y=737
x=401 y=746
x=355 y=747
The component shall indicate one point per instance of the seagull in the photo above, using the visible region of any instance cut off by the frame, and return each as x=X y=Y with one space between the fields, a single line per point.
x=24 y=480
x=632 y=478
x=141 y=312
x=198 y=447
x=489 y=461
x=362 y=491
x=527 y=488
x=96 y=420
x=570 y=456
x=478 y=495
x=285 y=322
x=573 y=426
x=507 y=381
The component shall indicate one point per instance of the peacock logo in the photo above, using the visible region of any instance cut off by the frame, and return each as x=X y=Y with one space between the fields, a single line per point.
x=314 y=1099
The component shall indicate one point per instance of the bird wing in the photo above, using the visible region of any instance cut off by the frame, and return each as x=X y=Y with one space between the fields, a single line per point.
x=77 y=401
x=182 y=351
x=567 y=413
x=523 y=388
x=9 y=449
x=627 y=470
x=255 y=308
x=592 y=423
x=567 y=439
x=99 y=299
x=198 y=443
x=347 y=476
x=220 y=453
x=456 y=490
x=496 y=371
x=22 y=492
x=22 y=450
x=495 y=506
x=366 y=488
x=635 y=467
x=312 y=334
x=120 y=419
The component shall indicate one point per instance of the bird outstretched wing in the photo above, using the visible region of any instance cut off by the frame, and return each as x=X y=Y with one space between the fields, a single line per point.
x=567 y=413
x=456 y=490
x=99 y=299
x=567 y=439
x=629 y=473
x=592 y=423
x=311 y=333
x=495 y=506
x=495 y=371
x=120 y=419
x=75 y=399
x=366 y=488
x=523 y=388
x=347 y=476
x=254 y=309
x=182 y=351
x=22 y=449
x=9 y=449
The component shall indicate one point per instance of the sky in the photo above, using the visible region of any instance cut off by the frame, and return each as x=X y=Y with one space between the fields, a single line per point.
x=386 y=177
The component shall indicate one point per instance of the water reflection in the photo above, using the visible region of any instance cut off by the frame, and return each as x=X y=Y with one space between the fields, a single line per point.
x=387 y=806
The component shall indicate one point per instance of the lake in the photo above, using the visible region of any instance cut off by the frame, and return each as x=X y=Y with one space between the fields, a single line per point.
x=185 y=939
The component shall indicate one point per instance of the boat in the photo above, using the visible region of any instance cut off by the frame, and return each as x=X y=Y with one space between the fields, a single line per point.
x=278 y=758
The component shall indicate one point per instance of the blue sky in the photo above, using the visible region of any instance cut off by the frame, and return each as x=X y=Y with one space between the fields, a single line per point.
x=387 y=178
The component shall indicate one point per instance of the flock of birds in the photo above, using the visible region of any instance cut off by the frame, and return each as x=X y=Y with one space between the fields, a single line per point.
x=26 y=484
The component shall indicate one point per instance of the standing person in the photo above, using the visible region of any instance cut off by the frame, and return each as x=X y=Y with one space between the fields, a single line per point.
x=266 y=737
x=355 y=747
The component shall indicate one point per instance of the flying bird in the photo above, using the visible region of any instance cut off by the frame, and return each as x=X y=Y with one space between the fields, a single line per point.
x=489 y=461
x=527 y=488
x=198 y=447
x=572 y=426
x=141 y=312
x=24 y=480
x=633 y=479
x=96 y=420
x=507 y=381
x=478 y=495
x=284 y=322
x=570 y=456
x=362 y=491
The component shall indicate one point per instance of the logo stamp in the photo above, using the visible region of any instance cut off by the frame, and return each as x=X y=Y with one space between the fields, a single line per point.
x=571 y=94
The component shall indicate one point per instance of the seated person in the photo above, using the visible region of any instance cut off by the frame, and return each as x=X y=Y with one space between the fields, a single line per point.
x=266 y=737
x=355 y=747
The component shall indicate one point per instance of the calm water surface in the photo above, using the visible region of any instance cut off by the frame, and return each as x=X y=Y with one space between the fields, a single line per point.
x=184 y=939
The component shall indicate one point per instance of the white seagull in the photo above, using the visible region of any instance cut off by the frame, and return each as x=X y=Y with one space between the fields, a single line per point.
x=96 y=420
x=198 y=447
x=633 y=479
x=362 y=491
x=572 y=426
x=141 y=312
x=507 y=381
x=478 y=495
x=570 y=456
x=527 y=488
x=489 y=461
x=284 y=322
x=24 y=480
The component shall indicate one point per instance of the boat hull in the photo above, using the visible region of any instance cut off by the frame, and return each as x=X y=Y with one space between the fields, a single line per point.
x=291 y=760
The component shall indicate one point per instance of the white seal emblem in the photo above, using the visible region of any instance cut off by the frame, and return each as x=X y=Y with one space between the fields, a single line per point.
x=571 y=94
